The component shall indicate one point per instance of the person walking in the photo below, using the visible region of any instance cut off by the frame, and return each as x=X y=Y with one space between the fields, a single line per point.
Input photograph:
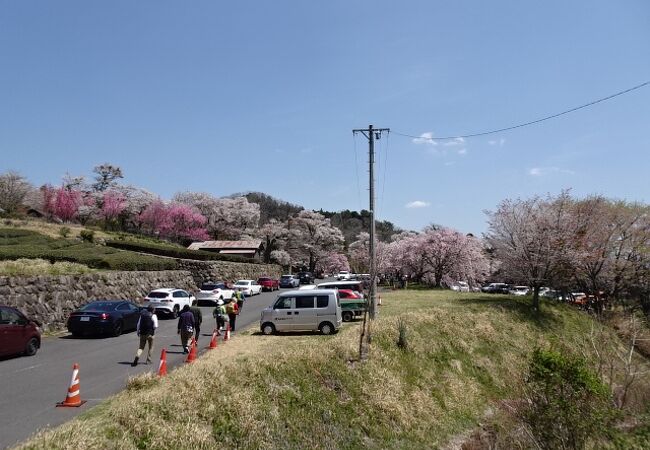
x=198 y=319
x=232 y=309
x=241 y=298
x=219 y=314
x=186 y=327
x=146 y=327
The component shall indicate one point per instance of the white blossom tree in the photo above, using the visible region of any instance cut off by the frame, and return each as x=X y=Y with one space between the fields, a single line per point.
x=312 y=236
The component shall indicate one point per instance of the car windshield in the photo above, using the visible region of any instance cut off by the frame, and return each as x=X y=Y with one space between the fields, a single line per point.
x=100 y=306
x=242 y=283
x=157 y=294
x=263 y=279
x=211 y=286
x=287 y=277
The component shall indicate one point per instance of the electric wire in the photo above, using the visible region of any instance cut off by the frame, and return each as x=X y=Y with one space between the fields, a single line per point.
x=532 y=122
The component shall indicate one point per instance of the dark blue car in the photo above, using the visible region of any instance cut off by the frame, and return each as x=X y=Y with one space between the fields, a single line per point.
x=106 y=317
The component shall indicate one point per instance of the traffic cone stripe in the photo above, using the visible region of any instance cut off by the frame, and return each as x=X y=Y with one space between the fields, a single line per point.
x=162 y=367
x=72 y=398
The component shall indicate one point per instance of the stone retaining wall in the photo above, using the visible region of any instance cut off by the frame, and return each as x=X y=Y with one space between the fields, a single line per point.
x=50 y=299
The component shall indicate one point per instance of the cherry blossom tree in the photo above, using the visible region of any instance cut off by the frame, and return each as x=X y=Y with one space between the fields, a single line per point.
x=281 y=257
x=106 y=176
x=63 y=203
x=13 y=190
x=533 y=240
x=228 y=218
x=154 y=218
x=113 y=203
x=274 y=235
x=332 y=262
x=312 y=236
x=184 y=223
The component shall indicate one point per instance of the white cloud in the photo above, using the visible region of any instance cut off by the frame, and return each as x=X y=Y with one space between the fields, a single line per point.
x=455 y=142
x=425 y=138
x=462 y=151
x=417 y=204
x=543 y=171
x=499 y=142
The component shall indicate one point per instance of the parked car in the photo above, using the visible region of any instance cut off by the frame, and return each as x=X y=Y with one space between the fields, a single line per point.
x=356 y=286
x=289 y=281
x=343 y=275
x=496 y=288
x=305 y=287
x=352 y=307
x=309 y=310
x=268 y=284
x=169 y=301
x=306 y=277
x=18 y=334
x=349 y=294
x=211 y=292
x=248 y=287
x=110 y=317
x=519 y=290
x=460 y=286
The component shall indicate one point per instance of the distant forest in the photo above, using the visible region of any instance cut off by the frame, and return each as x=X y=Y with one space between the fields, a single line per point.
x=351 y=223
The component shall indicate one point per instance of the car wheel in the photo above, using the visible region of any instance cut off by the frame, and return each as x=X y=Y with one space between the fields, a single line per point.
x=268 y=329
x=175 y=311
x=32 y=347
x=75 y=334
x=117 y=328
x=347 y=316
x=326 y=328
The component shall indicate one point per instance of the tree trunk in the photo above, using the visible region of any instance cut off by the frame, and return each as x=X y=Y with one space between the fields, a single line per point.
x=536 y=298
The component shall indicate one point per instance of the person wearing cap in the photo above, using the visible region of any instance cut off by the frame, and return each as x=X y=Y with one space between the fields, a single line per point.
x=219 y=314
x=146 y=327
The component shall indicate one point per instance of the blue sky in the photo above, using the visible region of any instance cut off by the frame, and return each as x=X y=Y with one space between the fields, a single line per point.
x=227 y=97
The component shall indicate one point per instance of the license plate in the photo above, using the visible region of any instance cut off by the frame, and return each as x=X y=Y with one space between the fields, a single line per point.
x=85 y=319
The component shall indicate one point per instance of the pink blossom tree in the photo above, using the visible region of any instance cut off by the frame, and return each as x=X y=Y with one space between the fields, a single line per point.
x=64 y=203
x=184 y=223
x=113 y=203
x=332 y=262
x=154 y=218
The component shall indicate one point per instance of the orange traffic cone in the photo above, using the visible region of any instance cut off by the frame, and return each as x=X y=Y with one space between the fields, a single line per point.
x=192 y=354
x=73 y=398
x=213 y=341
x=226 y=336
x=162 y=367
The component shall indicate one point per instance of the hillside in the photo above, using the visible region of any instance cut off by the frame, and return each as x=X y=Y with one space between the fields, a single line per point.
x=351 y=223
x=467 y=357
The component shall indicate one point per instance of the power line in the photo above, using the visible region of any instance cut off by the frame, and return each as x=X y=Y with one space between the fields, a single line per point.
x=532 y=122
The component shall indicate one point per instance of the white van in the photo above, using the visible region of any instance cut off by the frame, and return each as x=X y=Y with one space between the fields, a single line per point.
x=308 y=310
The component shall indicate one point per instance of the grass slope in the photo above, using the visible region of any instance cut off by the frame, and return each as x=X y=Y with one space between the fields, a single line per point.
x=465 y=351
x=19 y=243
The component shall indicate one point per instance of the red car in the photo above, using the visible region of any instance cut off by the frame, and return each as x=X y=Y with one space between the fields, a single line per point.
x=18 y=334
x=349 y=294
x=268 y=284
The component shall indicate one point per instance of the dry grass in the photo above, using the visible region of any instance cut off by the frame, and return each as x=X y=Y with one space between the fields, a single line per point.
x=51 y=229
x=34 y=267
x=465 y=352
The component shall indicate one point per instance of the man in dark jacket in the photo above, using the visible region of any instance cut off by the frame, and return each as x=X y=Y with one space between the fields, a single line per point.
x=198 y=318
x=186 y=327
x=147 y=324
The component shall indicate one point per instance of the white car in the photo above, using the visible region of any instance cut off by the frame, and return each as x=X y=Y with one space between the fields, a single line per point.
x=168 y=300
x=212 y=292
x=519 y=290
x=460 y=286
x=343 y=275
x=307 y=286
x=248 y=287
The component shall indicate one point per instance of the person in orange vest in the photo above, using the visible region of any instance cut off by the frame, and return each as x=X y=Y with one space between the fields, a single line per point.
x=233 y=310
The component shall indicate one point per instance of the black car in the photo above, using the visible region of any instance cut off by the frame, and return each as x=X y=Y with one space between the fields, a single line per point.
x=110 y=317
x=306 y=277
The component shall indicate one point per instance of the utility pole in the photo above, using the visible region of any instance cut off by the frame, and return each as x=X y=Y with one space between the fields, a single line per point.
x=371 y=134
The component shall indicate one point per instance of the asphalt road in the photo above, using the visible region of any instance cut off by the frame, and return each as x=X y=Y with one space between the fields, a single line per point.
x=30 y=387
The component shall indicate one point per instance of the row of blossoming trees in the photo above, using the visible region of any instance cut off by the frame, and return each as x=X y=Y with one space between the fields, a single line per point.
x=593 y=244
